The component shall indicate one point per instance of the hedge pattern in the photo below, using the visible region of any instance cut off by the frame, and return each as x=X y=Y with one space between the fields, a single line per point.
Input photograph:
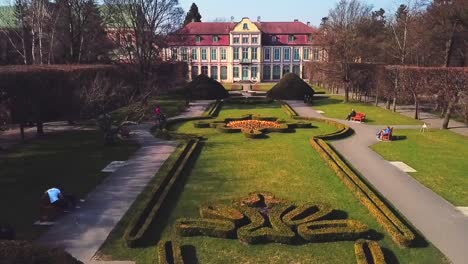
x=139 y=225
x=169 y=252
x=397 y=229
x=25 y=252
x=262 y=218
x=368 y=252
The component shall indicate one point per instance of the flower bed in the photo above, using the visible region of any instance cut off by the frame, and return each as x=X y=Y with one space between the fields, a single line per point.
x=253 y=124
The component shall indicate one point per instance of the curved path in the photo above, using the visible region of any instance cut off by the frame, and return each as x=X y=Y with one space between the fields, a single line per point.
x=82 y=232
x=438 y=220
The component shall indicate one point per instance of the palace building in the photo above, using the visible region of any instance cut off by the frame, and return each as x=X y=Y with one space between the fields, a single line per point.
x=245 y=51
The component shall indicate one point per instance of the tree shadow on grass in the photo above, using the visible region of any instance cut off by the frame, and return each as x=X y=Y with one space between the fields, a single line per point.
x=189 y=254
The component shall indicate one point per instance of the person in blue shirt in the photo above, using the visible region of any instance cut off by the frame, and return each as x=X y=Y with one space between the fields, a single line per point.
x=384 y=132
x=59 y=199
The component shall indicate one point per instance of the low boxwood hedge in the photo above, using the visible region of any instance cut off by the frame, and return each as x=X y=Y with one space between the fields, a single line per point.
x=368 y=252
x=169 y=252
x=253 y=133
x=227 y=130
x=140 y=224
x=188 y=227
x=306 y=213
x=25 y=252
x=332 y=230
x=397 y=229
x=222 y=212
x=201 y=124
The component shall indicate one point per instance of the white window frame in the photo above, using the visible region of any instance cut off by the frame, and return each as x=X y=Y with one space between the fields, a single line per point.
x=206 y=55
x=306 y=54
x=288 y=53
x=223 y=54
x=265 y=54
x=279 y=54
x=298 y=52
x=215 y=53
x=254 y=51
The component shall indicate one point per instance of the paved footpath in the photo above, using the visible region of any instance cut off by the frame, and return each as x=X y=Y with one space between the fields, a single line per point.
x=438 y=220
x=82 y=232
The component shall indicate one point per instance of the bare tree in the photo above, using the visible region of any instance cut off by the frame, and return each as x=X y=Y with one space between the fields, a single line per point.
x=15 y=28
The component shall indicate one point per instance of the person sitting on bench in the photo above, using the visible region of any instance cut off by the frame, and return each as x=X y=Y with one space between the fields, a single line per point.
x=352 y=114
x=58 y=199
x=384 y=132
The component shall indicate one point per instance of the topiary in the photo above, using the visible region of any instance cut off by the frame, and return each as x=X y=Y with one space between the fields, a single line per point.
x=26 y=253
x=203 y=87
x=290 y=87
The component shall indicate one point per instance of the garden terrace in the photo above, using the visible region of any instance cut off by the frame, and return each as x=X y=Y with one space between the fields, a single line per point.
x=228 y=167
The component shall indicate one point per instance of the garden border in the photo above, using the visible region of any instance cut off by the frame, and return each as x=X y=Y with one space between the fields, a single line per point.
x=368 y=252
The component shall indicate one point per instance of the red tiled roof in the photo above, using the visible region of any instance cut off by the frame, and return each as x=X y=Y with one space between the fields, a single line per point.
x=284 y=28
x=208 y=28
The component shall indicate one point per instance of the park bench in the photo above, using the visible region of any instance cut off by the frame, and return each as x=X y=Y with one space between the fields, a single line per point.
x=359 y=117
x=387 y=137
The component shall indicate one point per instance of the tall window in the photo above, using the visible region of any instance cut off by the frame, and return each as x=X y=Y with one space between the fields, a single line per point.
x=306 y=54
x=316 y=54
x=235 y=72
x=254 y=54
x=204 y=70
x=255 y=40
x=309 y=38
x=194 y=54
x=203 y=54
x=276 y=72
x=223 y=54
x=236 y=54
x=245 y=26
x=235 y=40
x=194 y=71
x=266 y=54
x=297 y=70
x=291 y=38
x=184 y=54
x=223 y=72
x=214 y=72
x=286 y=69
x=214 y=54
x=254 y=70
x=266 y=72
x=287 y=54
x=245 y=53
x=174 y=54
x=296 y=54
x=277 y=54
x=245 y=39
x=215 y=39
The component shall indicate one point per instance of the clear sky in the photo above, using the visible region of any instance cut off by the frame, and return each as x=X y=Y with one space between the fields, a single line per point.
x=272 y=10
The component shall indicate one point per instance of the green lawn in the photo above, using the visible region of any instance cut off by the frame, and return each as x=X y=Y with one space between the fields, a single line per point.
x=170 y=106
x=232 y=86
x=73 y=160
x=334 y=107
x=231 y=166
x=439 y=157
x=264 y=87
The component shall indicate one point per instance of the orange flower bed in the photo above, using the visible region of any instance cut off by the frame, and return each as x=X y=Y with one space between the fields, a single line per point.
x=253 y=124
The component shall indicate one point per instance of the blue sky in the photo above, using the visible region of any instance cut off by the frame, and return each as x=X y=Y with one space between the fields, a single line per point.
x=273 y=10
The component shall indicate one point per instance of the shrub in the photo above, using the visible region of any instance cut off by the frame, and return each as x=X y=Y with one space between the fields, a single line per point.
x=306 y=213
x=224 y=129
x=253 y=133
x=290 y=87
x=139 y=225
x=169 y=252
x=398 y=231
x=27 y=253
x=222 y=212
x=205 y=88
x=332 y=230
x=205 y=227
x=201 y=124
x=368 y=252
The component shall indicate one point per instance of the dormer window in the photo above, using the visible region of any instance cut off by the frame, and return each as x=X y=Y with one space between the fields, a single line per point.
x=215 y=39
x=245 y=26
x=309 y=38
x=198 y=39
x=291 y=38
x=274 y=39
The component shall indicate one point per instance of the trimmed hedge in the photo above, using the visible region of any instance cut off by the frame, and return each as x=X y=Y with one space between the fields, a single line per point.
x=257 y=233
x=222 y=212
x=201 y=124
x=188 y=227
x=332 y=230
x=397 y=229
x=249 y=100
x=169 y=252
x=140 y=224
x=214 y=109
x=368 y=252
x=306 y=213
x=27 y=253
x=203 y=87
x=254 y=134
x=290 y=87
x=228 y=130
x=299 y=124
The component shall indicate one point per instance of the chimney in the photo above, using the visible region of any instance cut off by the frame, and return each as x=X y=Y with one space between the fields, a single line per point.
x=259 y=19
x=296 y=20
x=308 y=23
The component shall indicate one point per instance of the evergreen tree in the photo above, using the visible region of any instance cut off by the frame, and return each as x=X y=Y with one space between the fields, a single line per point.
x=193 y=14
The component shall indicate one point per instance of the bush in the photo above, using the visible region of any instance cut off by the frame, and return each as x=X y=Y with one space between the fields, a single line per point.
x=398 y=231
x=26 y=253
x=139 y=225
x=222 y=212
x=169 y=252
x=290 y=87
x=297 y=216
x=253 y=133
x=205 y=88
x=332 y=230
x=368 y=252
x=201 y=124
x=205 y=227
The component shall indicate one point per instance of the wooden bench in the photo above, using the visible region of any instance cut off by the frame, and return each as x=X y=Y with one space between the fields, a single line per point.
x=359 y=117
x=387 y=137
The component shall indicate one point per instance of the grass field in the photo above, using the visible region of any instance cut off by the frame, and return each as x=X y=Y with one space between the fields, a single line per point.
x=72 y=160
x=264 y=87
x=334 y=107
x=232 y=86
x=439 y=157
x=230 y=166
